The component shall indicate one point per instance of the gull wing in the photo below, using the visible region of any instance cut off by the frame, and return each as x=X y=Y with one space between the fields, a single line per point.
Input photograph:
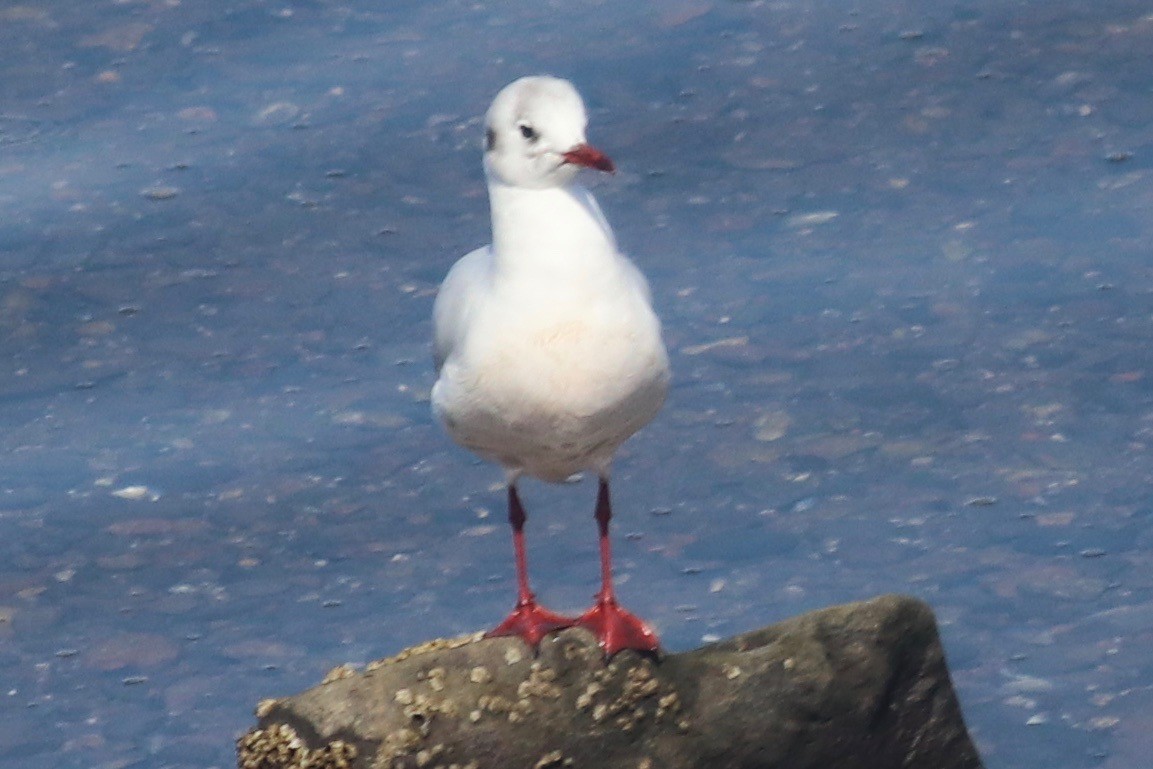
x=456 y=300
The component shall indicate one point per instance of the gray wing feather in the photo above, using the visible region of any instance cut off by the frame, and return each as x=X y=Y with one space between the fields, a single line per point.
x=456 y=299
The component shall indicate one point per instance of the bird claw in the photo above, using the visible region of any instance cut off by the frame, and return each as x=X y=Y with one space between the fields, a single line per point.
x=618 y=629
x=531 y=622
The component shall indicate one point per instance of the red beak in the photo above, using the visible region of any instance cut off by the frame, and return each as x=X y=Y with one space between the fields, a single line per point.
x=590 y=157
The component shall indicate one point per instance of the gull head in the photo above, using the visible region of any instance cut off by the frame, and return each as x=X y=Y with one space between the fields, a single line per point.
x=535 y=135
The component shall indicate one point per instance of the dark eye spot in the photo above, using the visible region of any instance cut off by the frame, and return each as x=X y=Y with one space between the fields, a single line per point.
x=529 y=133
x=489 y=139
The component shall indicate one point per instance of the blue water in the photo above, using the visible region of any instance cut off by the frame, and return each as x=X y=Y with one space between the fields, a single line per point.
x=901 y=250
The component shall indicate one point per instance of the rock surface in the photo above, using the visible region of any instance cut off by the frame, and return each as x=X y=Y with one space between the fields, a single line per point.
x=860 y=686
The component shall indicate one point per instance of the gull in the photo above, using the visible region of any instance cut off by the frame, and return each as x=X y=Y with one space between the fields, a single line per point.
x=548 y=352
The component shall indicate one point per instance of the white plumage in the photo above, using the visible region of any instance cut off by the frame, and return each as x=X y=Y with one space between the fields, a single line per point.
x=548 y=352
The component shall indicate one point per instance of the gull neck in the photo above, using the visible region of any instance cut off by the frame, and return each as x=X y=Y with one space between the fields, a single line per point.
x=551 y=228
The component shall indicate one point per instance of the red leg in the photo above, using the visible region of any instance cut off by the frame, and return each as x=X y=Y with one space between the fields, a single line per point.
x=616 y=628
x=529 y=620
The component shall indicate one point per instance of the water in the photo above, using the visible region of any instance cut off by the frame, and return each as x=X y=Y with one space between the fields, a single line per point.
x=901 y=252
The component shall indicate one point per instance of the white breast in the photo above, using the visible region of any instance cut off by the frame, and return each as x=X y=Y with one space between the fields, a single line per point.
x=551 y=377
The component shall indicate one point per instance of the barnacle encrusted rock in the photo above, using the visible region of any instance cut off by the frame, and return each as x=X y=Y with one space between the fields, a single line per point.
x=279 y=747
x=862 y=686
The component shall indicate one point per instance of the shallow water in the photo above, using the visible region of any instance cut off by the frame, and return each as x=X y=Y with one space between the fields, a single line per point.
x=901 y=250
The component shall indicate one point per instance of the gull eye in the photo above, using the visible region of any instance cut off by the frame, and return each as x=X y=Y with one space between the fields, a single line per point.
x=528 y=132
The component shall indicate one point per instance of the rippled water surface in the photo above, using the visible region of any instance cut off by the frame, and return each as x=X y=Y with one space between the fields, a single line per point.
x=902 y=253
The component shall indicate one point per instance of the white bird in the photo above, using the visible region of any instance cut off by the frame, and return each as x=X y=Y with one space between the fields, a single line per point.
x=548 y=352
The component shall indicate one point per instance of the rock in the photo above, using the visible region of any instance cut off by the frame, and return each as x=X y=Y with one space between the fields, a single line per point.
x=861 y=686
